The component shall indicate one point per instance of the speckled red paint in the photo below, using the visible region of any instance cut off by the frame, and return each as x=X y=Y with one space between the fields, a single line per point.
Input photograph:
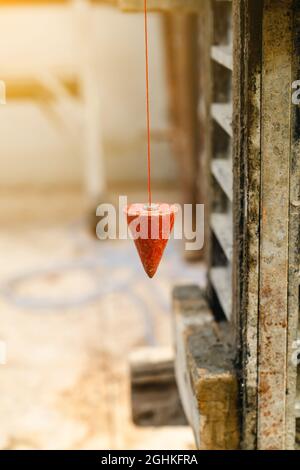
x=155 y=226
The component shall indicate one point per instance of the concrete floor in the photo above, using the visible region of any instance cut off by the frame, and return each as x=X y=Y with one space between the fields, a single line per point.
x=71 y=310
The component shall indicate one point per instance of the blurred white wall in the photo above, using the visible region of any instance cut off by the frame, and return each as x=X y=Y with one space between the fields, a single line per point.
x=34 y=148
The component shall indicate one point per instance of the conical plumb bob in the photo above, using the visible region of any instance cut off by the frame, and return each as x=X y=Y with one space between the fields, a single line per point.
x=150 y=227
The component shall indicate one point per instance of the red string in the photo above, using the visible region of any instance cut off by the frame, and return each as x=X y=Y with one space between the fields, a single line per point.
x=147 y=103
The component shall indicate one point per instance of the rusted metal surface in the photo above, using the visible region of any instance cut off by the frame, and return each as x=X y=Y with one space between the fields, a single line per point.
x=274 y=224
x=247 y=31
x=294 y=241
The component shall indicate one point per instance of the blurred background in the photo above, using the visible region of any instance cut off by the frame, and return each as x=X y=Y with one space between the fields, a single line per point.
x=73 y=135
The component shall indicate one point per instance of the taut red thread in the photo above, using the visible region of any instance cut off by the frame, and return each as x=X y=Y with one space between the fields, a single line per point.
x=150 y=224
x=148 y=104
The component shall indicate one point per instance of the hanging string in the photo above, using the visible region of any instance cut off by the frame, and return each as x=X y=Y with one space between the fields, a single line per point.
x=148 y=104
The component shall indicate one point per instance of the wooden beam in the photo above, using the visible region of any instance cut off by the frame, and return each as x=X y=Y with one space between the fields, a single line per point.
x=181 y=32
x=204 y=371
x=154 y=395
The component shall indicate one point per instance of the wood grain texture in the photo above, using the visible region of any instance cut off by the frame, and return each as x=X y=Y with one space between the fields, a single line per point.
x=205 y=373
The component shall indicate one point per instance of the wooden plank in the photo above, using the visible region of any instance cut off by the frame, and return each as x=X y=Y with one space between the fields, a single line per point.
x=222 y=171
x=221 y=225
x=247 y=32
x=220 y=278
x=274 y=227
x=205 y=372
x=186 y=6
x=154 y=395
x=223 y=56
x=222 y=114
